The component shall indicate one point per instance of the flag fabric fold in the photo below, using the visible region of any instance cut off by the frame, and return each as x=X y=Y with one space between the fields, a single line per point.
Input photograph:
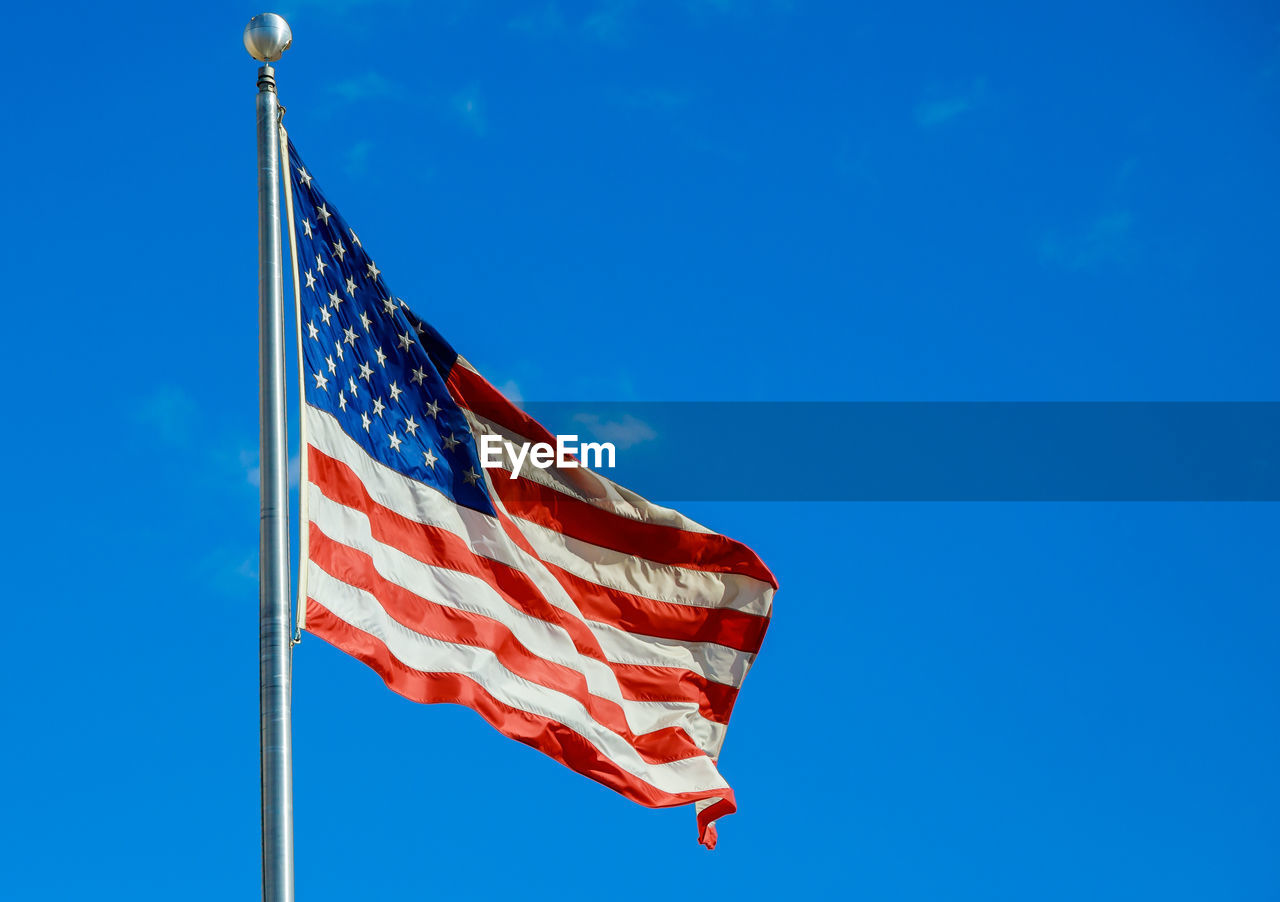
x=574 y=616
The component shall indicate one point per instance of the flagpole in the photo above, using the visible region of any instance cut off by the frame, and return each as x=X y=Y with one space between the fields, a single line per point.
x=266 y=37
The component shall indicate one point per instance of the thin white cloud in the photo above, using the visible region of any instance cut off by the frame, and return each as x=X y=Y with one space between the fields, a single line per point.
x=623 y=433
x=229 y=570
x=170 y=412
x=357 y=157
x=941 y=110
x=608 y=23
x=249 y=463
x=1104 y=240
x=542 y=22
x=730 y=7
x=248 y=569
x=368 y=86
x=336 y=7
x=253 y=472
x=611 y=21
x=469 y=107
x=512 y=392
x=654 y=99
x=707 y=8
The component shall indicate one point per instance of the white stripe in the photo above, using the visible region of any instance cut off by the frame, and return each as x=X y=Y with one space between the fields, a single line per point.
x=467 y=592
x=638 y=576
x=716 y=662
x=361 y=610
x=485 y=536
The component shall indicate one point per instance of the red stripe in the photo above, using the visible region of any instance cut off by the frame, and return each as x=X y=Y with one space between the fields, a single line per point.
x=648 y=683
x=707 y=820
x=581 y=520
x=440 y=548
x=437 y=621
x=548 y=736
x=474 y=392
x=662 y=619
x=565 y=514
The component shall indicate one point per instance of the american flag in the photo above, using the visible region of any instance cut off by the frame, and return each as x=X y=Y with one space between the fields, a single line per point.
x=573 y=615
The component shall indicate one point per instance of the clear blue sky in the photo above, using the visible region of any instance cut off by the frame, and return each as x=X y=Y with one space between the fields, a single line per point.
x=710 y=199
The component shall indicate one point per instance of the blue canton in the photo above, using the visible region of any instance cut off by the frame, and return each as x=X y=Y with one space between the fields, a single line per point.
x=373 y=364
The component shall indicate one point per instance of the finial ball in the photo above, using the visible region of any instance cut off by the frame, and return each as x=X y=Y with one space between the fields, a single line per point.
x=267 y=37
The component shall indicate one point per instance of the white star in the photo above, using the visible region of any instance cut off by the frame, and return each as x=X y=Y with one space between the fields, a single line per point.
x=390 y=306
x=395 y=441
x=429 y=459
x=321 y=381
x=302 y=174
x=382 y=358
x=396 y=392
x=342 y=400
x=421 y=327
x=338 y=348
x=365 y=321
x=351 y=287
x=324 y=213
x=355 y=389
x=313 y=331
x=373 y=270
x=350 y=337
x=325 y=315
x=365 y=371
x=320 y=264
x=306 y=227
x=406 y=340
x=419 y=375
x=333 y=367
x=335 y=299
x=354 y=238
x=311 y=280
x=378 y=407
x=433 y=408
x=450 y=442
x=471 y=476
x=339 y=250
x=365 y=421
x=411 y=426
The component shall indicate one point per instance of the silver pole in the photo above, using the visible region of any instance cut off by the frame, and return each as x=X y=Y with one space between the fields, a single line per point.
x=266 y=38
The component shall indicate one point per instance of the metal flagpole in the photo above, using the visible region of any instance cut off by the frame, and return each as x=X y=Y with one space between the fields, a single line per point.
x=266 y=37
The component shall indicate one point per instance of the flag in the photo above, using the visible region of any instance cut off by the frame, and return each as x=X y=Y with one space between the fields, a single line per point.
x=574 y=616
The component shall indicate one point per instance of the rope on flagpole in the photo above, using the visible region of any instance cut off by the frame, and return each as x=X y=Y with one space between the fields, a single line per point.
x=300 y=606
